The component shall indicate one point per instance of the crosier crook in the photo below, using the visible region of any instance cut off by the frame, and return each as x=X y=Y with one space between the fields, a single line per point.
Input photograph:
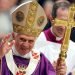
x=68 y=24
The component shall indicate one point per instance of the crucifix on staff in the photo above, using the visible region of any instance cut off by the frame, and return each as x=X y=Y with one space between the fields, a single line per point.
x=69 y=24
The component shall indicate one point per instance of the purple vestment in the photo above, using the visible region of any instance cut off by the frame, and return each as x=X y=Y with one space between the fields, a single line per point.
x=44 y=67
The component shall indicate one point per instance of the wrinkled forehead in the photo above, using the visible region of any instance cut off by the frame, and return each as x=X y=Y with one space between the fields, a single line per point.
x=25 y=36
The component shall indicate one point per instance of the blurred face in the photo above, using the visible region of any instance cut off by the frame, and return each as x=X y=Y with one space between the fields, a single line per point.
x=24 y=43
x=48 y=9
x=6 y=4
x=62 y=13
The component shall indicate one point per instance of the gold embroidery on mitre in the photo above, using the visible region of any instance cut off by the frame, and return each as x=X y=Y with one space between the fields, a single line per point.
x=30 y=24
x=31 y=14
x=26 y=30
x=40 y=20
x=19 y=16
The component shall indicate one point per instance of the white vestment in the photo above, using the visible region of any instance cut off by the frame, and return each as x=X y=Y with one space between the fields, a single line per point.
x=51 y=50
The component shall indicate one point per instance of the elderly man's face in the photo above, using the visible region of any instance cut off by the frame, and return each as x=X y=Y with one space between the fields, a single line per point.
x=6 y=4
x=24 y=43
x=62 y=13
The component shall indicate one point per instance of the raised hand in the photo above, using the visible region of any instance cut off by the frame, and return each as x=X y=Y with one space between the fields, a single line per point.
x=1 y=36
x=5 y=45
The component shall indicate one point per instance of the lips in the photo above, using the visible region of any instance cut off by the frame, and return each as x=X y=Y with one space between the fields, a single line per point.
x=24 y=48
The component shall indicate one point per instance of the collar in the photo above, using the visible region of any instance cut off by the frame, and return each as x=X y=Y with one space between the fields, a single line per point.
x=57 y=38
x=15 y=52
x=51 y=37
x=34 y=59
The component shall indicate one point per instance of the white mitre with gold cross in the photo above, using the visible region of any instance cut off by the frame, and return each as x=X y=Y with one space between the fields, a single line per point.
x=29 y=19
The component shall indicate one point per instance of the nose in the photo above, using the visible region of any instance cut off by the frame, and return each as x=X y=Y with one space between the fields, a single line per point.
x=26 y=44
x=62 y=27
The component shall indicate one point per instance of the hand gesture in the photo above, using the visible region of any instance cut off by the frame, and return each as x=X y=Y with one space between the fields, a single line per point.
x=5 y=45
